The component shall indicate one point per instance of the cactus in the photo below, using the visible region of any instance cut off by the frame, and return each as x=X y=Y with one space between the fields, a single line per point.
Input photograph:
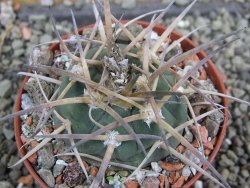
x=174 y=112
x=124 y=95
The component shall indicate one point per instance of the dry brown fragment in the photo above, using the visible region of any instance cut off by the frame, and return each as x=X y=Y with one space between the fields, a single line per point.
x=162 y=180
x=209 y=145
x=93 y=171
x=26 y=33
x=17 y=6
x=171 y=166
x=33 y=143
x=86 y=165
x=177 y=176
x=191 y=60
x=186 y=178
x=207 y=152
x=131 y=184
x=179 y=183
x=26 y=180
x=214 y=140
x=29 y=120
x=171 y=177
x=57 y=53
x=204 y=134
x=167 y=184
x=59 y=179
x=161 y=48
x=47 y=130
x=23 y=139
x=181 y=148
x=196 y=143
x=203 y=74
x=33 y=158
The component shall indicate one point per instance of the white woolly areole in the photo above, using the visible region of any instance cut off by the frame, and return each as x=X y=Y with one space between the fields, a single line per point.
x=151 y=115
x=73 y=39
x=141 y=81
x=187 y=68
x=39 y=134
x=154 y=35
x=111 y=140
x=180 y=89
x=95 y=98
x=77 y=69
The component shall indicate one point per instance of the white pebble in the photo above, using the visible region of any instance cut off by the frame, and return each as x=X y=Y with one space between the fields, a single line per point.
x=155 y=167
x=198 y=184
x=61 y=162
x=193 y=170
x=186 y=171
x=26 y=102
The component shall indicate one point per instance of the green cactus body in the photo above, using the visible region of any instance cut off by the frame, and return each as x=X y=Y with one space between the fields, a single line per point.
x=128 y=152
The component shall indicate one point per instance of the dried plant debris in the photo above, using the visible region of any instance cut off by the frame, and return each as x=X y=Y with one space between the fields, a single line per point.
x=41 y=56
x=121 y=105
x=73 y=175
x=34 y=92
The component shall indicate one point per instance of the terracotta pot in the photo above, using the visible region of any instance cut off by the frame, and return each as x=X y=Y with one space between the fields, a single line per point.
x=187 y=44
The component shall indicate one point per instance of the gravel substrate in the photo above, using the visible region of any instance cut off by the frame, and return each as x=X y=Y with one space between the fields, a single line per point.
x=233 y=159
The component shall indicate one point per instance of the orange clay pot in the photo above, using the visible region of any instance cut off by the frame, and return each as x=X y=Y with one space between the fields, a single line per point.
x=187 y=44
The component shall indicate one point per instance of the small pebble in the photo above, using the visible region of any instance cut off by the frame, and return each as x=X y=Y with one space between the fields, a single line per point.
x=47 y=176
x=16 y=44
x=5 y=88
x=232 y=155
x=186 y=171
x=238 y=92
x=151 y=182
x=46 y=157
x=155 y=166
x=8 y=132
x=128 y=4
x=182 y=2
x=57 y=169
x=45 y=38
x=6 y=184
x=225 y=173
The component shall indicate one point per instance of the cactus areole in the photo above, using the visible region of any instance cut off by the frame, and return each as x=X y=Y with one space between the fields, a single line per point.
x=120 y=75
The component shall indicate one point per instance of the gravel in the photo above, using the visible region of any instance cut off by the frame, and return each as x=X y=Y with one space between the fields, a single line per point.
x=8 y=132
x=47 y=177
x=232 y=160
x=45 y=38
x=5 y=184
x=128 y=4
x=5 y=88
x=46 y=157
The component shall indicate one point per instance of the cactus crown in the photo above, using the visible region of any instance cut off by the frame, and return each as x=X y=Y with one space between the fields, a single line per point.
x=125 y=93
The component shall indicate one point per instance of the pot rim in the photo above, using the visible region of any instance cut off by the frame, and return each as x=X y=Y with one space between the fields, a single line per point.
x=187 y=44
